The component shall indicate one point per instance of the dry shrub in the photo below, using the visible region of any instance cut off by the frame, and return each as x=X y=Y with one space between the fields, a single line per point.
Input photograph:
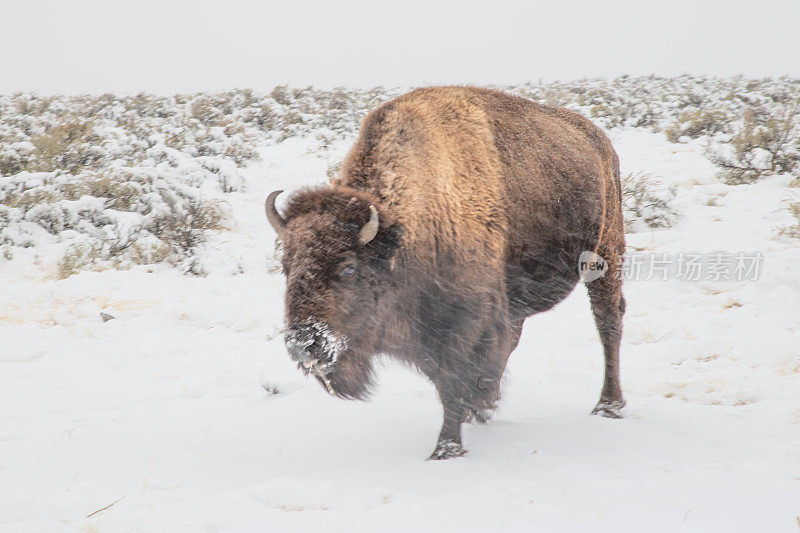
x=122 y=194
x=71 y=146
x=183 y=227
x=696 y=123
x=77 y=258
x=793 y=231
x=27 y=199
x=762 y=146
x=645 y=199
x=169 y=237
x=149 y=253
x=333 y=170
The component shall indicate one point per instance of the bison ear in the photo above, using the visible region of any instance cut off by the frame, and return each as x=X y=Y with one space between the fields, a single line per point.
x=386 y=242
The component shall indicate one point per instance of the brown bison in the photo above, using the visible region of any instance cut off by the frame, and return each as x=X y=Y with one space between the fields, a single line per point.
x=458 y=213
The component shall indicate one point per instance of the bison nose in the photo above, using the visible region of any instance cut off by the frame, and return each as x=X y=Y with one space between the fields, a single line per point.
x=300 y=353
x=302 y=346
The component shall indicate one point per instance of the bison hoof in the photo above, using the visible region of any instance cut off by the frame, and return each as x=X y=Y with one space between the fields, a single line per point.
x=447 y=450
x=609 y=408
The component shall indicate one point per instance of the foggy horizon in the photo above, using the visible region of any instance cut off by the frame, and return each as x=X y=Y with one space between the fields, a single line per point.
x=94 y=47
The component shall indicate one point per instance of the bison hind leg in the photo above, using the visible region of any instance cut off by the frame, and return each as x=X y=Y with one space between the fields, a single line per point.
x=609 y=408
x=608 y=307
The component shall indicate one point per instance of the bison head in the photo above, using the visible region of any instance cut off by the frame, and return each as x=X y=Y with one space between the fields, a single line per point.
x=338 y=245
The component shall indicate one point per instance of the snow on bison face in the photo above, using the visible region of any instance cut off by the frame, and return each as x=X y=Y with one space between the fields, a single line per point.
x=336 y=260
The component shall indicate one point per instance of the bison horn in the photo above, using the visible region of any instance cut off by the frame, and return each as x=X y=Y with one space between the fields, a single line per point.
x=278 y=224
x=370 y=229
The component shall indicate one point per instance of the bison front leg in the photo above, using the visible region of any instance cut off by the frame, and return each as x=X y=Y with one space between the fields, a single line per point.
x=453 y=385
x=469 y=386
x=449 y=443
x=608 y=306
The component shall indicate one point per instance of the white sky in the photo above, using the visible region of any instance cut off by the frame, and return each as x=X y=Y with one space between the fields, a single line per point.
x=166 y=46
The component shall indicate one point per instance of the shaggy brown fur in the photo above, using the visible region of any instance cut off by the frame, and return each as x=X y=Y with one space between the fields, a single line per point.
x=485 y=200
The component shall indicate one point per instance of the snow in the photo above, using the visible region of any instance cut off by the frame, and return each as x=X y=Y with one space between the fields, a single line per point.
x=187 y=406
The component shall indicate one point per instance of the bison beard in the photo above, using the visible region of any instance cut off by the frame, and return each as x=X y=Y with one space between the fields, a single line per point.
x=458 y=213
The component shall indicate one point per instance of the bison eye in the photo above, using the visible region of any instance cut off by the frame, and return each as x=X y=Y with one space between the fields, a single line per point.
x=347 y=271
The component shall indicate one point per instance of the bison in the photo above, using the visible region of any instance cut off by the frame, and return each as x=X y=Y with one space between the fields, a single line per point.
x=458 y=213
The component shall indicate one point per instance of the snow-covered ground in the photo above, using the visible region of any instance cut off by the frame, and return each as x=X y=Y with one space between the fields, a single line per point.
x=187 y=413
